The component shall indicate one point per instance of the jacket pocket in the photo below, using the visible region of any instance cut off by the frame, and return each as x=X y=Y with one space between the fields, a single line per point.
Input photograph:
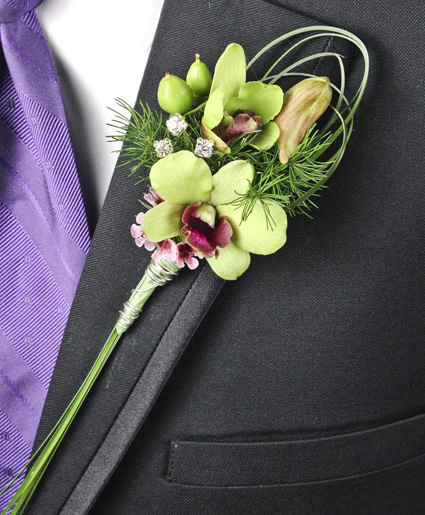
x=245 y=464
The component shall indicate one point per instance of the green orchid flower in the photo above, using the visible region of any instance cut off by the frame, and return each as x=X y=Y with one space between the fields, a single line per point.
x=231 y=96
x=196 y=208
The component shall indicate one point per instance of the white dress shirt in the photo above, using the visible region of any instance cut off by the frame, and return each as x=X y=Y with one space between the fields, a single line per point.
x=100 y=49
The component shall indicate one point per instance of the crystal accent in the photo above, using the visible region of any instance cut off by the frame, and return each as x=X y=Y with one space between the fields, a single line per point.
x=204 y=147
x=163 y=147
x=176 y=124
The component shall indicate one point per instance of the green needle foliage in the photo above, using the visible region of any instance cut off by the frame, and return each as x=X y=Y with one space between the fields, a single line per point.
x=137 y=132
x=294 y=185
x=283 y=183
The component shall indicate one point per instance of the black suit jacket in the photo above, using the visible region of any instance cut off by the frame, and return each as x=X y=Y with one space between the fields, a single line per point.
x=298 y=389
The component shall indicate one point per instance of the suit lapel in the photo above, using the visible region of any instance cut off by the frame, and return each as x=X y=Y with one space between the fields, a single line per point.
x=135 y=410
x=146 y=356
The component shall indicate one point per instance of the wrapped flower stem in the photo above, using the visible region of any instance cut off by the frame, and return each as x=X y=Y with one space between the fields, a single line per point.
x=158 y=273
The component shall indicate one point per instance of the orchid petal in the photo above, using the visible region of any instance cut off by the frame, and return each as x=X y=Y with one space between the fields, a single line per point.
x=182 y=178
x=163 y=221
x=200 y=242
x=230 y=71
x=213 y=112
x=263 y=99
x=222 y=234
x=253 y=235
x=213 y=115
x=242 y=123
x=231 y=262
x=267 y=137
x=232 y=178
x=218 y=142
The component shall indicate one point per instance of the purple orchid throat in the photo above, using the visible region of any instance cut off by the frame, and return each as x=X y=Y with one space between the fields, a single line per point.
x=204 y=230
x=241 y=122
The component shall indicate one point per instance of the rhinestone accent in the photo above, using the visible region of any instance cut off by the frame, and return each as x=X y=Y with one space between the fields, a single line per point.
x=163 y=147
x=204 y=147
x=176 y=124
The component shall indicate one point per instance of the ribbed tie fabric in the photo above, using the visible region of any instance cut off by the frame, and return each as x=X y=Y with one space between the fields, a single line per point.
x=44 y=236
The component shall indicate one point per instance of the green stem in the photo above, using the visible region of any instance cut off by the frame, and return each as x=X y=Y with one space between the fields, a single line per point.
x=39 y=462
x=200 y=106
x=187 y=140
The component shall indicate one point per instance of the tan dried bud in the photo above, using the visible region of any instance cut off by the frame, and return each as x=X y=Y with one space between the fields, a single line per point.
x=303 y=105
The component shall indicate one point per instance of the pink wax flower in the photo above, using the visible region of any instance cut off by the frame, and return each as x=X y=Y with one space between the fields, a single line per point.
x=203 y=229
x=165 y=249
x=152 y=198
x=186 y=255
x=139 y=236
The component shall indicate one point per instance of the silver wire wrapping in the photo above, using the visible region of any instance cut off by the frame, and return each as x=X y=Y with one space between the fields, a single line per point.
x=128 y=316
x=159 y=274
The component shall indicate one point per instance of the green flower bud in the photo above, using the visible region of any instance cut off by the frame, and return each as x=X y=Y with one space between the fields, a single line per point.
x=174 y=95
x=303 y=105
x=199 y=77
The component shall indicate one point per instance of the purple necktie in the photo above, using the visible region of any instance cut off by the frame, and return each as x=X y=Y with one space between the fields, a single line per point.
x=44 y=236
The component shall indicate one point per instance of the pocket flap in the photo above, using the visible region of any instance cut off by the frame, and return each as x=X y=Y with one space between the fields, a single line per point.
x=226 y=464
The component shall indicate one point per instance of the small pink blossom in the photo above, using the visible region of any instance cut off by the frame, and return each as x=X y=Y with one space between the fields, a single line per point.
x=165 y=249
x=152 y=198
x=139 y=235
x=186 y=255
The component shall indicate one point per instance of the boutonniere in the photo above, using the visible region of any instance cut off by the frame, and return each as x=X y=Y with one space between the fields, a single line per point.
x=228 y=163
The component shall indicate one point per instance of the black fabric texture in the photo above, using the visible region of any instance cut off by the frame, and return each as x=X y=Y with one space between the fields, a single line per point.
x=320 y=344
x=219 y=464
